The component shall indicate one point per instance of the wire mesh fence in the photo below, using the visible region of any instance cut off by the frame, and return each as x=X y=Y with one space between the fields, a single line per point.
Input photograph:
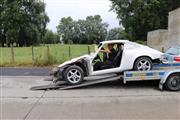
x=42 y=55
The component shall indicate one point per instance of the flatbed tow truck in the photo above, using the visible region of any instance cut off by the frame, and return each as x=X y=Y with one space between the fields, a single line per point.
x=167 y=74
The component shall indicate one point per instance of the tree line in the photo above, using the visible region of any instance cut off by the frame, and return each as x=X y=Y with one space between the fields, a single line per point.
x=24 y=22
x=91 y=30
x=141 y=16
x=87 y=31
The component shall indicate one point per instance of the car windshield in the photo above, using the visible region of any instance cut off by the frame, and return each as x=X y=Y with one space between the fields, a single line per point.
x=173 y=51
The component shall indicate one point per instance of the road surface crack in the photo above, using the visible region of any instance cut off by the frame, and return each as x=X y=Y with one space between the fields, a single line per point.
x=35 y=104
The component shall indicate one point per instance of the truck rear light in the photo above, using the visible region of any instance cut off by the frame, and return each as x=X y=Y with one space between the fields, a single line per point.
x=177 y=59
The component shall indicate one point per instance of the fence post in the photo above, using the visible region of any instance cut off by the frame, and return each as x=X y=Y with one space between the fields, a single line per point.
x=32 y=48
x=89 y=49
x=12 y=53
x=69 y=52
x=48 y=54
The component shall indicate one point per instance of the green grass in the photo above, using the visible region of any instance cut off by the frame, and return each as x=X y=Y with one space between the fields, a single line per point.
x=57 y=54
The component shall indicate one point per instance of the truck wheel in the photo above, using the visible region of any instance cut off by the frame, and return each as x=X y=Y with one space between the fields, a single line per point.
x=73 y=75
x=143 y=64
x=173 y=82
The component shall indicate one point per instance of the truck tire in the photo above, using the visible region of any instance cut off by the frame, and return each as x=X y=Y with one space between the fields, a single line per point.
x=73 y=75
x=143 y=64
x=173 y=82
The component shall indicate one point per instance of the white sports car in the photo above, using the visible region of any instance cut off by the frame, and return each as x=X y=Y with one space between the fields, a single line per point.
x=127 y=56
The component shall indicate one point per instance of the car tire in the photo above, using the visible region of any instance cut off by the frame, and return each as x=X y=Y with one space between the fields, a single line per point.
x=143 y=64
x=73 y=75
x=173 y=82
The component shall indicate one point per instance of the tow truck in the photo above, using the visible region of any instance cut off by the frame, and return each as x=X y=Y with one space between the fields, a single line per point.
x=131 y=62
x=168 y=75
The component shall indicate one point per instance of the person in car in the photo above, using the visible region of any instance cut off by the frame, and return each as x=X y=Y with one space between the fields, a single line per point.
x=108 y=58
x=110 y=53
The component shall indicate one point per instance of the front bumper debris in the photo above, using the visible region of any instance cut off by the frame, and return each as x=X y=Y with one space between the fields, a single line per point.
x=54 y=71
x=57 y=73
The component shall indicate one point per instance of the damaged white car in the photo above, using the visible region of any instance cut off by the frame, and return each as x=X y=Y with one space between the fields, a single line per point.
x=114 y=56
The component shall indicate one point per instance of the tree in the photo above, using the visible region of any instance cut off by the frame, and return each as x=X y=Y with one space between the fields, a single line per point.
x=23 y=21
x=140 y=16
x=116 y=34
x=50 y=37
x=65 y=29
x=90 y=30
x=2 y=34
x=95 y=29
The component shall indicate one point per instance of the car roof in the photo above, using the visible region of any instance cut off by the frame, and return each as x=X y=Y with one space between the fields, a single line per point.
x=115 y=41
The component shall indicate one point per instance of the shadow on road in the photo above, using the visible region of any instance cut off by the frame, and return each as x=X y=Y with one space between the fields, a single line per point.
x=129 y=85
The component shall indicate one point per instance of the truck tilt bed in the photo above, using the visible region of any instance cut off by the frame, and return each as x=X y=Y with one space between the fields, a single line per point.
x=64 y=86
x=167 y=74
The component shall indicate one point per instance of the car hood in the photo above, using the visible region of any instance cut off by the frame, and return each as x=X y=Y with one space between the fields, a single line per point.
x=74 y=60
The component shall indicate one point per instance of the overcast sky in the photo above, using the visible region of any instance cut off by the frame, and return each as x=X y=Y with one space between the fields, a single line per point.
x=79 y=9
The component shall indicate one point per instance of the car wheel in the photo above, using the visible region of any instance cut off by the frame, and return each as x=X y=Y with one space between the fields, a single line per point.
x=173 y=82
x=143 y=64
x=74 y=75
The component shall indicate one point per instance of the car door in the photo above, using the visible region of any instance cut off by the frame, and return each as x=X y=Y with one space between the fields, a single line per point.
x=104 y=71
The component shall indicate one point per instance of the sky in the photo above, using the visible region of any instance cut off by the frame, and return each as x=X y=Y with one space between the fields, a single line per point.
x=79 y=9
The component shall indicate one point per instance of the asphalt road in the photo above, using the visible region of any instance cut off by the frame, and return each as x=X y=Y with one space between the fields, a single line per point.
x=113 y=100
x=24 y=71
